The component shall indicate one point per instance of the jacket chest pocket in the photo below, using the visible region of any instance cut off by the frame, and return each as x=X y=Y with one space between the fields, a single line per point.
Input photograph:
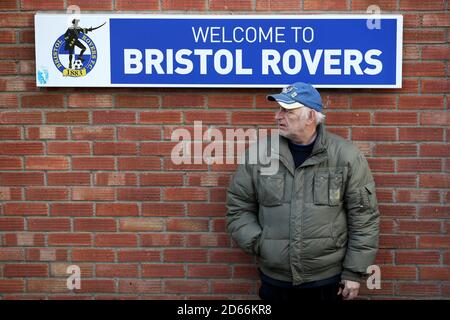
x=271 y=190
x=328 y=188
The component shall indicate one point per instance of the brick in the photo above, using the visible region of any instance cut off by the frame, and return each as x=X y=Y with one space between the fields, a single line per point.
x=93 y=163
x=187 y=225
x=70 y=239
x=94 y=224
x=116 y=240
x=114 y=148
x=397 y=180
x=161 y=179
x=434 y=180
x=11 y=254
x=21 y=178
x=7 y=67
x=419 y=226
x=83 y=194
x=43 y=101
x=232 y=286
x=138 y=194
x=434 y=273
x=160 y=117
x=9 y=5
x=137 y=5
x=157 y=148
x=348 y=118
x=186 y=286
x=42 y=5
x=48 y=224
x=435 y=85
x=421 y=5
x=435 y=118
x=434 y=242
x=397 y=210
x=139 y=163
x=373 y=102
x=183 y=100
x=25 y=209
x=436 y=19
x=69 y=148
x=381 y=164
x=17 y=52
x=67 y=117
x=397 y=242
x=162 y=240
x=166 y=270
x=418 y=195
x=435 y=211
x=46 y=163
x=374 y=134
x=46 y=254
x=412 y=165
x=9 y=100
x=10 y=163
x=116 y=270
x=434 y=150
x=115 y=179
x=417 y=257
x=398 y=273
x=206 y=210
x=198 y=5
x=162 y=209
x=90 y=101
x=395 y=149
x=241 y=101
x=418 y=289
x=398 y=118
x=325 y=5
x=209 y=271
x=421 y=102
x=207 y=117
x=185 y=194
x=117 y=209
x=139 y=255
x=21 y=148
x=60 y=270
x=421 y=134
x=141 y=224
x=115 y=116
x=364 y=4
x=12 y=224
x=273 y=5
x=207 y=240
x=139 y=133
x=93 y=133
x=10 y=133
x=250 y=117
x=140 y=286
x=94 y=255
x=44 y=193
x=423 y=36
x=9 y=286
x=229 y=256
x=68 y=178
x=72 y=209
x=25 y=270
x=47 y=132
x=185 y=255
x=24 y=239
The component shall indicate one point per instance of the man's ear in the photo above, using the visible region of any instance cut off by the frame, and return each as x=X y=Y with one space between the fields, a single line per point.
x=311 y=117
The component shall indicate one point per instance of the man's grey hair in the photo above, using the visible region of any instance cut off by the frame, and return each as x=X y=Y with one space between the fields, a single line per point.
x=320 y=117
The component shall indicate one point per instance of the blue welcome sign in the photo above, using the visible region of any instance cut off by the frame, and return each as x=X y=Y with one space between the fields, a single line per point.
x=329 y=51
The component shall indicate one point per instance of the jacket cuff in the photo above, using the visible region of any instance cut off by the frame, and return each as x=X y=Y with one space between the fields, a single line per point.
x=352 y=276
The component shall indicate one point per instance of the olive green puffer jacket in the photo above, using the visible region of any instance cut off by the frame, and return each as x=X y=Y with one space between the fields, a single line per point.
x=309 y=223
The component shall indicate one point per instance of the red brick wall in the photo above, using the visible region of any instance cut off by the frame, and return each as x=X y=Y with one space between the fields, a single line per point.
x=86 y=177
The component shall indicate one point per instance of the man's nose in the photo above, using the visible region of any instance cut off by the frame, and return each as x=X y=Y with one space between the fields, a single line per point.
x=279 y=114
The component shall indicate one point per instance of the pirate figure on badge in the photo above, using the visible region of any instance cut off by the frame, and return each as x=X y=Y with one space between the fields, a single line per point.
x=72 y=41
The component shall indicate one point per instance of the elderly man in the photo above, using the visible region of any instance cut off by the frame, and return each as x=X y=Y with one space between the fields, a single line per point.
x=314 y=224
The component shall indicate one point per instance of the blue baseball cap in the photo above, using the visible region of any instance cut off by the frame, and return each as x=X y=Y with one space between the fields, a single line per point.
x=299 y=92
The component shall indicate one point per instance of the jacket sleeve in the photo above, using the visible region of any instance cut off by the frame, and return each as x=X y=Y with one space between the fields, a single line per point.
x=363 y=220
x=242 y=210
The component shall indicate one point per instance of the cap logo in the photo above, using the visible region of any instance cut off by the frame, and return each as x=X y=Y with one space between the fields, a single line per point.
x=288 y=89
x=294 y=94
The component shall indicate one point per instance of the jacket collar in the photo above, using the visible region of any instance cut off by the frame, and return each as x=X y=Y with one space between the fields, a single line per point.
x=318 y=153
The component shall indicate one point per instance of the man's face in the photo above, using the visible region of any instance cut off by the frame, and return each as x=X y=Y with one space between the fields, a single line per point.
x=290 y=122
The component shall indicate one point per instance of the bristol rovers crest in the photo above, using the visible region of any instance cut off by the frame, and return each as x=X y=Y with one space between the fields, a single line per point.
x=74 y=53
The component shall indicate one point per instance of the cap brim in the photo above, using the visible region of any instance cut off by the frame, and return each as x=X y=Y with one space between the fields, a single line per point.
x=280 y=98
